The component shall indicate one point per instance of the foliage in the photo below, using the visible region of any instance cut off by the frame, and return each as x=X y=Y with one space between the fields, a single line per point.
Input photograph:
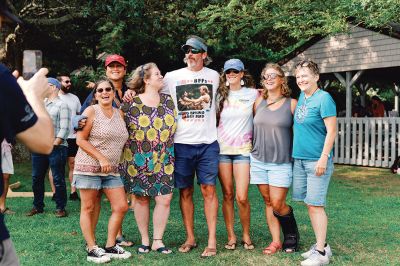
x=74 y=33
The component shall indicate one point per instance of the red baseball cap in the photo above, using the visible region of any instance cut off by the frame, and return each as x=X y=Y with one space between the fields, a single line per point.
x=115 y=58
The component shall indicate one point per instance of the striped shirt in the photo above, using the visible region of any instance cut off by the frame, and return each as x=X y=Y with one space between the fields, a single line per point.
x=60 y=115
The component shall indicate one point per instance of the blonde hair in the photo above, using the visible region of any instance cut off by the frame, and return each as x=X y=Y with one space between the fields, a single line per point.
x=285 y=90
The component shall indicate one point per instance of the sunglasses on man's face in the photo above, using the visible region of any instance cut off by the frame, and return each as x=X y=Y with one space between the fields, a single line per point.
x=67 y=81
x=229 y=71
x=108 y=89
x=193 y=50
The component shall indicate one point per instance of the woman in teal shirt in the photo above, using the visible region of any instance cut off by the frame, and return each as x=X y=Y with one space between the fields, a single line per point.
x=314 y=131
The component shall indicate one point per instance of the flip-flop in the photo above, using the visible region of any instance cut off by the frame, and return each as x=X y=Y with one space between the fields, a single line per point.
x=230 y=245
x=123 y=242
x=208 y=252
x=185 y=248
x=146 y=249
x=164 y=250
x=7 y=211
x=247 y=246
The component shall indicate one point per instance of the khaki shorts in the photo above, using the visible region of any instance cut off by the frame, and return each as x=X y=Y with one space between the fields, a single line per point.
x=7 y=165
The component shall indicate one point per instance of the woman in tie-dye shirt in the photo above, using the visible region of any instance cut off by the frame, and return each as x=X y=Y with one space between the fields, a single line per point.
x=236 y=97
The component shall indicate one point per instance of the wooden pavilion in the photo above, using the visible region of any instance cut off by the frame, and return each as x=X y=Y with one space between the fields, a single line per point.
x=357 y=57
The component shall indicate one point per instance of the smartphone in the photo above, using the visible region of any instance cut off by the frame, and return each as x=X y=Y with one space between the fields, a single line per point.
x=31 y=63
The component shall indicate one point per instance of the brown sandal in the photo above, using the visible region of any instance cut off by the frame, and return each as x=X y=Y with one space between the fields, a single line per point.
x=247 y=246
x=186 y=247
x=208 y=252
x=272 y=248
x=230 y=245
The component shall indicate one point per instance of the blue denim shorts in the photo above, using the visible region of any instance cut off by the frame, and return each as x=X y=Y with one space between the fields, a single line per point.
x=96 y=182
x=307 y=186
x=199 y=159
x=274 y=174
x=237 y=158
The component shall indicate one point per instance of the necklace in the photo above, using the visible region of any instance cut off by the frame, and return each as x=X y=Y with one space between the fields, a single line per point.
x=302 y=111
x=275 y=101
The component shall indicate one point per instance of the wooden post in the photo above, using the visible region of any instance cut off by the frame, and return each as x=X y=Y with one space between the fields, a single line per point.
x=348 y=82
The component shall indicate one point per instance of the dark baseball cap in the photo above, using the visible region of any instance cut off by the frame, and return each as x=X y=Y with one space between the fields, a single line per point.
x=4 y=11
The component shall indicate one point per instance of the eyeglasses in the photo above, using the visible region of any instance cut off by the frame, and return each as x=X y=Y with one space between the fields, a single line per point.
x=67 y=81
x=272 y=76
x=108 y=89
x=193 y=50
x=229 y=71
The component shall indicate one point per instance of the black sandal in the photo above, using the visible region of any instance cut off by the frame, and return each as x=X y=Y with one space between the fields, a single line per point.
x=146 y=249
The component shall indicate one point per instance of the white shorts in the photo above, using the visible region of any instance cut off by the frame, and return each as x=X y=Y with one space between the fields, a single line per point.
x=7 y=165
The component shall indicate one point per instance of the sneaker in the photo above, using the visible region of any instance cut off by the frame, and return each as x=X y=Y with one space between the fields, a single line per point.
x=97 y=255
x=74 y=196
x=316 y=259
x=308 y=253
x=117 y=252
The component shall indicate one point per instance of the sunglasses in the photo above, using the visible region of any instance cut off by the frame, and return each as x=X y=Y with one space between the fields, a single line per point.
x=229 y=71
x=108 y=89
x=193 y=50
x=67 y=81
x=272 y=76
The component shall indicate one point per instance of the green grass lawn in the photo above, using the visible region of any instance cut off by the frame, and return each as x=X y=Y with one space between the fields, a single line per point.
x=364 y=227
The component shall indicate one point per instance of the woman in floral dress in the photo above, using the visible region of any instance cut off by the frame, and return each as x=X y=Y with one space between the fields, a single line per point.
x=148 y=157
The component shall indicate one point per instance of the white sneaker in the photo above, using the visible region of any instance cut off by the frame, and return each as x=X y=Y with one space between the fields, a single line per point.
x=316 y=259
x=97 y=255
x=313 y=247
x=117 y=252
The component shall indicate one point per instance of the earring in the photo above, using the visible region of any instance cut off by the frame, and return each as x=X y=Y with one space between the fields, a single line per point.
x=227 y=83
x=241 y=82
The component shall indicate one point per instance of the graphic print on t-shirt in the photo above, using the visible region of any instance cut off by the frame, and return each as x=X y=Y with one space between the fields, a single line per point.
x=194 y=100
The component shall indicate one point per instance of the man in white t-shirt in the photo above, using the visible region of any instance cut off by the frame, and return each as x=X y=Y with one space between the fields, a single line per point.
x=74 y=106
x=196 y=146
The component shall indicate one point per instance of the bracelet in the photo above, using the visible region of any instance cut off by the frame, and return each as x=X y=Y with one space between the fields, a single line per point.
x=326 y=154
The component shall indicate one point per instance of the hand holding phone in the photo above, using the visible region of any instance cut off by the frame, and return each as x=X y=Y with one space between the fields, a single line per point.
x=31 y=63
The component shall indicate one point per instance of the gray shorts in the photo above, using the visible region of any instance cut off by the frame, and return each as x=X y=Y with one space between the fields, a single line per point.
x=96 y=182
x=7 y=165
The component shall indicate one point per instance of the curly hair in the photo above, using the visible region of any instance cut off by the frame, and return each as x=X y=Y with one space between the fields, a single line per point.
x=101 y=80
x=308 y=64
x=223 y=90
x=285 y=90
x=142 y=72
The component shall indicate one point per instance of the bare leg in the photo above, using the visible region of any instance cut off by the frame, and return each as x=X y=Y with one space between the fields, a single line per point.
x=211 y=211
x=142 y=216
x=225 y=177
x=3 y=197
x=241 y=172
x=187 y=209
x=89 y=199
x=160 y=219
x=272 y=221
x=319 y=222
x=119 y=206
x=96 y=211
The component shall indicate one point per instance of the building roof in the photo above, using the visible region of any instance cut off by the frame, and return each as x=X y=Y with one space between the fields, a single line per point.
x=359 y=49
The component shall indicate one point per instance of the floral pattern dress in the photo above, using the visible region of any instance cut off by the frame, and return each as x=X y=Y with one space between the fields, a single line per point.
x=147 y=161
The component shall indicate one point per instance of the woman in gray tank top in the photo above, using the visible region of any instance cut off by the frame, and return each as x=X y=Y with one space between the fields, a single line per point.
x=270 y=160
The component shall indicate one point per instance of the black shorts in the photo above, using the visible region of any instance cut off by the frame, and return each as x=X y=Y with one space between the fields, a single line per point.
x=72 y=147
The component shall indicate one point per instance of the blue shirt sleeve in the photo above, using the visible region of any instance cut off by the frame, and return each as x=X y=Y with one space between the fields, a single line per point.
x=328 y=106
x=87 y=102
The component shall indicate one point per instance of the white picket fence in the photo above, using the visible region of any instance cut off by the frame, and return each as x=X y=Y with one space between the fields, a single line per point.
x=367 y=141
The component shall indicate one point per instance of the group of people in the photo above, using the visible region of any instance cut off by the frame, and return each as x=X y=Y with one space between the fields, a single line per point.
x=148 y=137
x=146 y=141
